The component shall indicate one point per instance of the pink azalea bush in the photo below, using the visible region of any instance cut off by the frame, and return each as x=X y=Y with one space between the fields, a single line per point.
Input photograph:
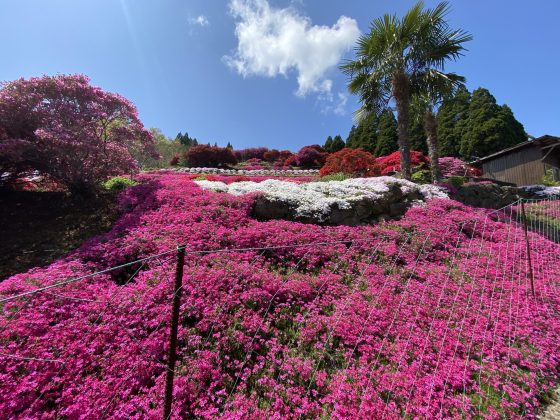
x=451 y=166
x=425 y=317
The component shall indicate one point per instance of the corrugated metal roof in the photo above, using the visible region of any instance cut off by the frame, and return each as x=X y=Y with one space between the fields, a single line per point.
x=542 y=141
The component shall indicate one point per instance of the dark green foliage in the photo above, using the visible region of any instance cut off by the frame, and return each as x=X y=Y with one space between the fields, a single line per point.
x=376 y=135
x=185 y=140
x=451 y=118
x=328 y=144
x=334 y=145
x=229 y=146
x=456 y=181
x=471 y=126
x=364 y=135
x=352 y=136
x=416 y=133
x=337 y=144
x=488 y=127
x=387 y=136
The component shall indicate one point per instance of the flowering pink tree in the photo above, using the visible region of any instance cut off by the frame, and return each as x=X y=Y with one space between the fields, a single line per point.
x=69 y=131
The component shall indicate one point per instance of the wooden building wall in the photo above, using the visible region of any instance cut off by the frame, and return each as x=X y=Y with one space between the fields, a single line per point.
x=523 y=167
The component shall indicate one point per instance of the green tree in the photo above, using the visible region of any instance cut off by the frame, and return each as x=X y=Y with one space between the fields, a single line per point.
x=328 y=144
x=488 y=127
x=393 y=54
x=387 y=136
x=165 y=147
x=417 y=133
x=451 y=118
x=367 y=133
x=351 y=139
x=429 y=92
x=337 y=144
x=364 y=135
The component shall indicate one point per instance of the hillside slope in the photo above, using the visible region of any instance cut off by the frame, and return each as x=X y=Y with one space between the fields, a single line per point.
x=427 y=316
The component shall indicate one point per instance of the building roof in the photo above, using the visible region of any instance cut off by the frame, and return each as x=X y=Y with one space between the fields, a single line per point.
x=542 y=141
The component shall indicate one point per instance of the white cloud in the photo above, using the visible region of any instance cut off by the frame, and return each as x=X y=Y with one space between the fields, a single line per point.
x=273 y=42
x=331 y=103
x=200 y=20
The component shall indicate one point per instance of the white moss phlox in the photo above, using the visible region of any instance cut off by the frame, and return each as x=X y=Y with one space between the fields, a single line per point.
x=316 y=198
x=542 y=190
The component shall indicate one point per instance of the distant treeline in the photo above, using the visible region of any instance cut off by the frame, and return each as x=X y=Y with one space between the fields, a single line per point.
x=470 y=125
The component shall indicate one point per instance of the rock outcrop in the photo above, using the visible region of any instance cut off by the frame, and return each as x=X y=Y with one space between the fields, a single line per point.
x=391 y=204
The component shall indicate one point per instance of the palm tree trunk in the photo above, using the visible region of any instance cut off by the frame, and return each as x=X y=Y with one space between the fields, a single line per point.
x=402 y=99
x=430 y=127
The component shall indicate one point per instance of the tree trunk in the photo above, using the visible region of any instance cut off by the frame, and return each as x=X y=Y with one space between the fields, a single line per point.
x=402 y=99
x=430 y=127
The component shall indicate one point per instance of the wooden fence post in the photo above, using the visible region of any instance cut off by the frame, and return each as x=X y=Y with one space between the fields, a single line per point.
x=172 y=354
x=532 y=277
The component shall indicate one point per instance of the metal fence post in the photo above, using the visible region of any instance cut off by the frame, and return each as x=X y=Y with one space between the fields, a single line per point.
x=172 y=354
x=532 y=277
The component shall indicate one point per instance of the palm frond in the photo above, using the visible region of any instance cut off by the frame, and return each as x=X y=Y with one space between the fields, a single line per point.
x=418 y=46
x=435 y=86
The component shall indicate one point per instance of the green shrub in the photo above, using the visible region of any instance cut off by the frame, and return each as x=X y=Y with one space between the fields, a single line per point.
x=421 y=176
x=118 y=183
x=338 y=176
x=456 y=181
x=548 y=179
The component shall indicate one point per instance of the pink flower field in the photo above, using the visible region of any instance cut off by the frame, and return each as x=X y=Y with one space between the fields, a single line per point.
x=430 y=316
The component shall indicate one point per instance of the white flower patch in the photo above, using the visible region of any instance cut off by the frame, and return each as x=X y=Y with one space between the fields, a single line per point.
x=542 y=190
x=213 y=185
x=315 y=199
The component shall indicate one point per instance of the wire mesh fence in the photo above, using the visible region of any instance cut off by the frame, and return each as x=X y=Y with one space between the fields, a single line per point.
x=433 y=320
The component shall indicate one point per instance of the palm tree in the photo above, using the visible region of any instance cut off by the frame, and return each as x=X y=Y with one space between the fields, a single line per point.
x=429 y=89
x=396 y=52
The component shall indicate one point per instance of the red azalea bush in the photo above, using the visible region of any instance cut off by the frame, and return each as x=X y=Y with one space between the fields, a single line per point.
x=473 y=171
x=284 y=154
x=253 y=152
x=175 y=160
x=290 y=161
x=353 y=162
x=203 y=156
x=392 y=163
x=313 y=156
x=73 y=133
x=425 y=317
x=271 y=155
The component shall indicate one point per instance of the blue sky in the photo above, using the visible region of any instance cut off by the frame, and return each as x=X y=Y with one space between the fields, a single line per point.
x=264 y=73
